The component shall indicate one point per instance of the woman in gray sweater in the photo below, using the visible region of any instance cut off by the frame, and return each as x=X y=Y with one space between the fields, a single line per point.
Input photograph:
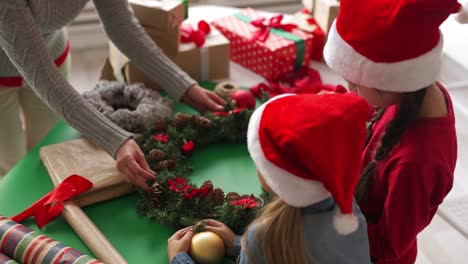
x=33 y=41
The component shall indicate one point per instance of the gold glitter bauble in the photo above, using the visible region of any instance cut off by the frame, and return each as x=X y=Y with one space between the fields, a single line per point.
x=206 y=248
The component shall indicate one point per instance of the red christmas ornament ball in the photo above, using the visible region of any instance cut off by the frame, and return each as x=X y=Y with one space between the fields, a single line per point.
x=243 y=98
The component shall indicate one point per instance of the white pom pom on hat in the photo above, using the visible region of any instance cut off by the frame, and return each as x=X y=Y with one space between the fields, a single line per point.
x=345 y=224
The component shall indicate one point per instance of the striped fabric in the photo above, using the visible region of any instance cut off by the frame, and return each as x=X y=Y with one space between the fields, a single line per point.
x=6 y=260
x=27 y=246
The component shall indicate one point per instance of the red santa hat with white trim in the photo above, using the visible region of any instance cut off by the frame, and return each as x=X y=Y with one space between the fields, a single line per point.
x=308 y=147
x=387 y=44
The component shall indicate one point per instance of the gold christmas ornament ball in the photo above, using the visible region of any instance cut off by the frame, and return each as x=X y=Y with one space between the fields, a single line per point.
x=206 y=248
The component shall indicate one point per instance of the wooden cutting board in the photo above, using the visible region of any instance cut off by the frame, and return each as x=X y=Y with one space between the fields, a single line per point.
x=86 y=159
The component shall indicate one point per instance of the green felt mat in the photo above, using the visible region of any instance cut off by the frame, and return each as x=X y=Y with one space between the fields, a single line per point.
x=136 y=238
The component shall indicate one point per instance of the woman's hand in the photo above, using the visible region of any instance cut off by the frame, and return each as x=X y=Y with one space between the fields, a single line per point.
x=179 y=242
x=132 y=164
x=203 y=100
x=222 y=231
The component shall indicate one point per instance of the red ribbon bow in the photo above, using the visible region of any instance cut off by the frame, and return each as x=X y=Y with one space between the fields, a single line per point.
x=264 y=28
x=189 y=34
x=305 y=80
x=51 y=205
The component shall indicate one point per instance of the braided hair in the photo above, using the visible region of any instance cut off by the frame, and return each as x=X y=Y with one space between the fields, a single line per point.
x=407 y=111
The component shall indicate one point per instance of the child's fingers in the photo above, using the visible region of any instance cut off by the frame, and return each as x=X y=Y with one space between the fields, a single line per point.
x=188 y=235
x=214 y=229
x=179 y=234
x=211 y=222
x=211 y=228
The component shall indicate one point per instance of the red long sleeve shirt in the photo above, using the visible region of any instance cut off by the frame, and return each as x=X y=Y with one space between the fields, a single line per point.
x=408 y=186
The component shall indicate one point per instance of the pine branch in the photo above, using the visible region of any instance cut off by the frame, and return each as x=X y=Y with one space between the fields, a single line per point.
x=174 y=207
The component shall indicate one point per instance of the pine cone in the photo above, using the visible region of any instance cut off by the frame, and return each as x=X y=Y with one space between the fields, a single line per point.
x=218 y=196
x=202 y=121
x=155 y=194
x=157 y=154
x=165 y=164
x=232 y=196
x=207 y=184
x=160 y=126
x=182 y=120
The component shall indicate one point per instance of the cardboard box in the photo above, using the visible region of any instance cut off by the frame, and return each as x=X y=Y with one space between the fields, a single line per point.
x=281 y=53
x=107 y=73
x=163 y=15
x=168 y=41
x=210 y=62
x=119 y=68
x=325 y=12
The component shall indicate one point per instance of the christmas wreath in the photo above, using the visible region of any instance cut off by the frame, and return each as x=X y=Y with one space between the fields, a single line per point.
x=174 y=200
x=133 y=107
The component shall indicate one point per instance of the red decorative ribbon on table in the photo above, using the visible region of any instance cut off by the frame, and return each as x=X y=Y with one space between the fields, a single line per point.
x=265 y=25
x=51 y=205
x=198 y=36
x=304 y=80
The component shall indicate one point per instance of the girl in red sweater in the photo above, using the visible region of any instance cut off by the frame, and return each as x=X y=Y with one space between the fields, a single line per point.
x=390 y=53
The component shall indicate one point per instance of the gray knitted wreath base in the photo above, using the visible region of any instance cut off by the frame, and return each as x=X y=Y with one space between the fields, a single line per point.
x=133 y=107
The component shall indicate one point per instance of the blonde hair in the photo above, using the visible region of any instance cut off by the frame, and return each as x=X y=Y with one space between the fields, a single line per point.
x=280 y=228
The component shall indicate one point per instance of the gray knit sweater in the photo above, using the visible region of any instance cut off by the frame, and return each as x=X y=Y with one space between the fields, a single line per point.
x=31 y=35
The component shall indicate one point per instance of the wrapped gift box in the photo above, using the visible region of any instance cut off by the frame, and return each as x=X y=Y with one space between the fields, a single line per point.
x=168 y=41
x=162 y=15
x=307 y=23
x=281 y=53
x=325 y=12
x=209 y=62
x=124 y=71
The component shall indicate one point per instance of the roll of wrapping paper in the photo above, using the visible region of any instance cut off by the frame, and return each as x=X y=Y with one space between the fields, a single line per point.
x=6 y=260
x=25 y=245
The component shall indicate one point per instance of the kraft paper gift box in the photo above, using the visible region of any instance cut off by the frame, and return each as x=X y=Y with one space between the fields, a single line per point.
x=281 y=53
x=122 y=70
x=325 y=12
x=168 y=41
x=305 y=21
x=209 y=62
x=162 y=15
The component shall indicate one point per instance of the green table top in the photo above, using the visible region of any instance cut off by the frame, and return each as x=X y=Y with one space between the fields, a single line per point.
x=135 y=237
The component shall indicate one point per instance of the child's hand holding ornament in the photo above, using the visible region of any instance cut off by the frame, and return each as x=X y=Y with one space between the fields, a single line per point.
x=222 y=231
x=179 y=242
x=206 y=243
x=209 y=245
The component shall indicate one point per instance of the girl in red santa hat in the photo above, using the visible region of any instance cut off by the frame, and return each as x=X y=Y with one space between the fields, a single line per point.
x=390 y=53
x=307 y=152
